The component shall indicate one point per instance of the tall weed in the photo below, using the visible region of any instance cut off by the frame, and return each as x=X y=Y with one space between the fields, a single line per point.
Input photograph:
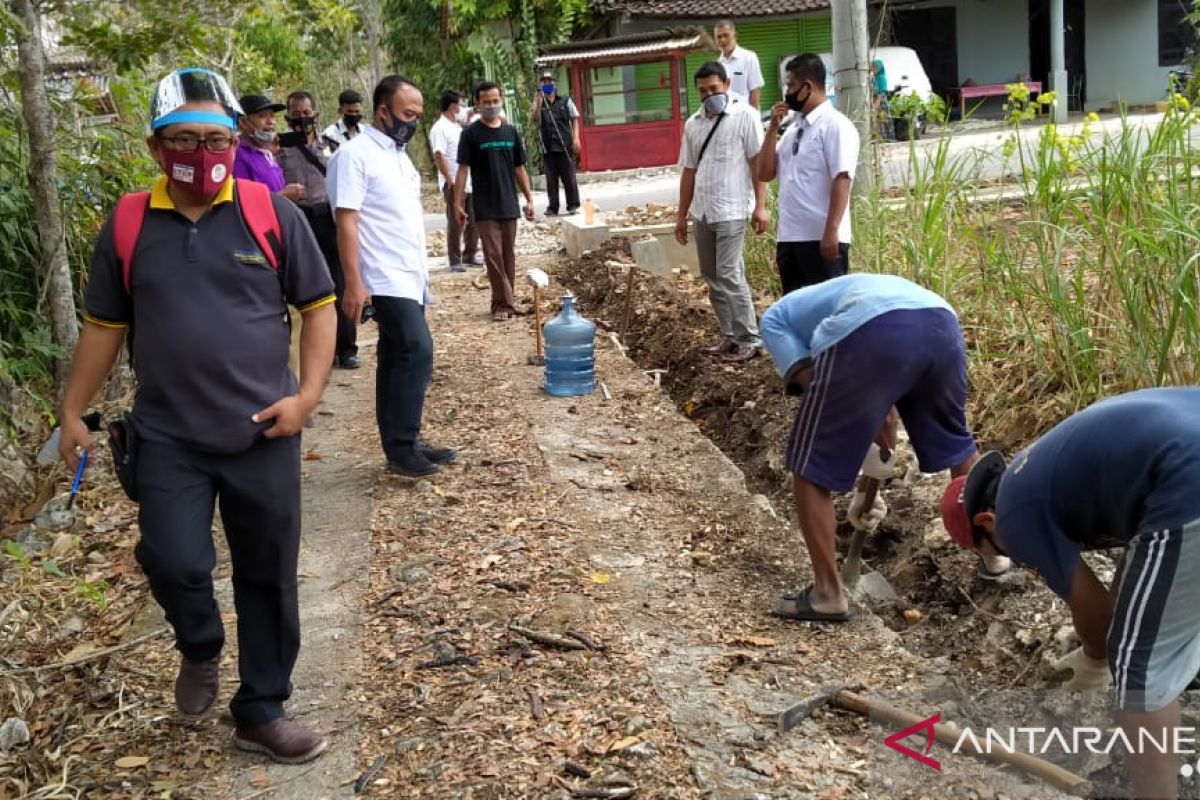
x=1075 y=279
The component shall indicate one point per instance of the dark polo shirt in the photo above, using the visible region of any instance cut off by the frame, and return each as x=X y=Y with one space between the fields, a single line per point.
x=210 y=343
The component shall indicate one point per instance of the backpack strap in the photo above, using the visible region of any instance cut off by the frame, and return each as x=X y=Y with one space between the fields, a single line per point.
x=127 y=226
x=258 y=212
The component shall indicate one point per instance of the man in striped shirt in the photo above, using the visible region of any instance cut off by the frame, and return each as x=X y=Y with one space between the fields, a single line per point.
x=1124 y=473
x=718 y=187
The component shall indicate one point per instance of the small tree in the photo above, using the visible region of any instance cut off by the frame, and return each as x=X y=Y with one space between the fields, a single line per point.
x=57 y=293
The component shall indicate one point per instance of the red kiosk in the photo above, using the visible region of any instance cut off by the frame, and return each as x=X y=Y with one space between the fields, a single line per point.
x=631 y=92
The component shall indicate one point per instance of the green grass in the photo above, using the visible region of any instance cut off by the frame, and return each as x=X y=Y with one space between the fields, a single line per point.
x=1083 y=286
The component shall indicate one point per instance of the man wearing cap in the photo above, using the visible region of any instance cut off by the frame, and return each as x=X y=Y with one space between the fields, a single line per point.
x=558 y=128
x=853 y=347
x=217 y=413
x=255 y=158
x=1124 y=473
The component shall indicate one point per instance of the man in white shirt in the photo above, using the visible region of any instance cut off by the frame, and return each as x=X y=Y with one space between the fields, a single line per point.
x=376 y=192
x=717 y=186
x=741 y=65
x=815 y=162
x=349 y=123
x=462 y=241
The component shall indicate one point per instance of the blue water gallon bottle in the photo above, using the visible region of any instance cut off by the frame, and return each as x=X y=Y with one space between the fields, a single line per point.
x=570 y=352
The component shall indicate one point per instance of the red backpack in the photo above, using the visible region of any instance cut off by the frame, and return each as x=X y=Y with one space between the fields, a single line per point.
x=252 y=199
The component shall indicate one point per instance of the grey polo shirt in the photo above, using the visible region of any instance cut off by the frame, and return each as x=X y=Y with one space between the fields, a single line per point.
x=210 y=343
x=298 y=169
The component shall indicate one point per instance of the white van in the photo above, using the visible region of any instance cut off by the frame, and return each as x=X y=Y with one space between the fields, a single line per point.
x=901 y=65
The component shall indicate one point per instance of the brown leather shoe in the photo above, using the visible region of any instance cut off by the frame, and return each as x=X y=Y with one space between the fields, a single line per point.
x=197 y=686
x=720 y=348
x=283 y=740
x=741 y=352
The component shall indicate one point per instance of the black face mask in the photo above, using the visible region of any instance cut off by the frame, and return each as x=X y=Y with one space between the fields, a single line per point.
x=302 y=124
x=352 y=120
x=794 y=102
x=401 y=132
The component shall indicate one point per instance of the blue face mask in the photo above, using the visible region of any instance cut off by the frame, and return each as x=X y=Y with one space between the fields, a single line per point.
x=547 y=88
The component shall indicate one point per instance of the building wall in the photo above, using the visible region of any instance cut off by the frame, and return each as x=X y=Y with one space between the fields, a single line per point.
x=1121 y=41
x=993 y=38
x=771 y=39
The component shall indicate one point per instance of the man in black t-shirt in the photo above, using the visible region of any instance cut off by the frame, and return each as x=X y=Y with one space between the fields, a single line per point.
x=492 y=155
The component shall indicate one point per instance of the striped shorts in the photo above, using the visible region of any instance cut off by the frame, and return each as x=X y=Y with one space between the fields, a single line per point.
x=1154 y=639
x=913 y=359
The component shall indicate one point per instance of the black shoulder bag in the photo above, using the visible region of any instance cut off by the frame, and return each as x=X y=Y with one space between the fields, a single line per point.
x=708 y=138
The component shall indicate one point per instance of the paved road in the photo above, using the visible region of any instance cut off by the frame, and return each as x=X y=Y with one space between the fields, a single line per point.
x=608 y=196
x=978 y=154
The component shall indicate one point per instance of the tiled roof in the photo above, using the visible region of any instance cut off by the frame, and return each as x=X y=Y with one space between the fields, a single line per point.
x=650 y=42
x=690 y=9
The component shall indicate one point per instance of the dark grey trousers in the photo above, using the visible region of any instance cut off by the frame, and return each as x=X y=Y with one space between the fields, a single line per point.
x=258 y=492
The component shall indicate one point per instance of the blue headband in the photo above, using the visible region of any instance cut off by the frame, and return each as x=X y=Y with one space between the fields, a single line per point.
x=209 y=117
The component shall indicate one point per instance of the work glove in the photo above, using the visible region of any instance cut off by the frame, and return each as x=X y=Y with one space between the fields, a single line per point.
x=1088 y=674
x=866 y=519
x=874 y=466
x=992 y=567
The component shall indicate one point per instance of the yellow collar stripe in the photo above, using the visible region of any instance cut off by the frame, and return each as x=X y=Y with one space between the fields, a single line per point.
x=160 y=198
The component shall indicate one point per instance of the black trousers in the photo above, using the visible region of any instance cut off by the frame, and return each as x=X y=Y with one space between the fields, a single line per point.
x=801 y=264
x=320 y=219
x=405 y=356
x=560 y=166
x=258 y=492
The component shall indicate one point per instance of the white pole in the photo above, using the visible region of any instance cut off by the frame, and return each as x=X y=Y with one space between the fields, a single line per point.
x=1058 y=61
x=852 y=72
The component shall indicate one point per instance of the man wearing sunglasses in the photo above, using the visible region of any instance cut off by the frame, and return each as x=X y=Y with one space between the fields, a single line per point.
x=1123 y=473
x=815 y=162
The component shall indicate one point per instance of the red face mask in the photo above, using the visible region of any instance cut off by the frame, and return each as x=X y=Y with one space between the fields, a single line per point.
x=200 y=173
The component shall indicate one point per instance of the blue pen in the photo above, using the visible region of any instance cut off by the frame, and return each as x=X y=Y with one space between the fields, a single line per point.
x=83 y=459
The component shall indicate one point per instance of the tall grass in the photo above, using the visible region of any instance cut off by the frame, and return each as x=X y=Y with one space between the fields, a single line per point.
x=1075 y=279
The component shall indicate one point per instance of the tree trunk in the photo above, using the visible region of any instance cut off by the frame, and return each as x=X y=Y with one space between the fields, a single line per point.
x=372 y=19
x=55 y=275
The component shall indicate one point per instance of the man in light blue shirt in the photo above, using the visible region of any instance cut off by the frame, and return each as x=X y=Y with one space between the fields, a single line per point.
x=854 y=347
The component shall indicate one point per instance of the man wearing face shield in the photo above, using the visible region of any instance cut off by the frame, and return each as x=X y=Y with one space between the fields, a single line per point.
x=815 y=162
x=217 y=414
x=258 y=138
x=306 y=164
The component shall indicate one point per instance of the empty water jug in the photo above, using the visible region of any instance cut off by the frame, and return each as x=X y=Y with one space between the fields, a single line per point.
x=570 y=352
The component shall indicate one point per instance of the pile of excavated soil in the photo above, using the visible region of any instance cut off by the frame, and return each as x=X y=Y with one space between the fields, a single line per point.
x=650 y=214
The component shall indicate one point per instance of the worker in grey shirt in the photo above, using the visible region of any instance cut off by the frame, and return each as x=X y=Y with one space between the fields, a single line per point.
x=305 y=164
x=717 y=186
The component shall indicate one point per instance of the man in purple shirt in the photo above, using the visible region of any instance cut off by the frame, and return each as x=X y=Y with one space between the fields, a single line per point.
x=255 y=159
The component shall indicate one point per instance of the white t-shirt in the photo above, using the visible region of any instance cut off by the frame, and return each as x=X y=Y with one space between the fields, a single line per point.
x=827 y=147
x=370 y=175
x=724 y=181
x=443 y=138
x=744 y=73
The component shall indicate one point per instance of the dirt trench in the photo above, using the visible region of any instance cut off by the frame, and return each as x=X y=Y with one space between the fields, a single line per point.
x=1003 y=632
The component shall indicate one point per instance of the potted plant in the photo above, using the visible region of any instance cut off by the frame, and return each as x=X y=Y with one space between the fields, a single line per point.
x=906 y=110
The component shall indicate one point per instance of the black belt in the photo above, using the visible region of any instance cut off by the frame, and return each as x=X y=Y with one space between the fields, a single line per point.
x=321 y=209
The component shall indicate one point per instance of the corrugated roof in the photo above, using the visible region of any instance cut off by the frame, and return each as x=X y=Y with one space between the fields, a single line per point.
x=695 y=9
x=637 y=44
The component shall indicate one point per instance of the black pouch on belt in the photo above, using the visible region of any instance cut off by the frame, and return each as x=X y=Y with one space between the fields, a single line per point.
x=123 y=442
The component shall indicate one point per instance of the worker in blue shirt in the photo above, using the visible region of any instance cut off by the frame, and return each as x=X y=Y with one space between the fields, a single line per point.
x=1124 y=473
x=854 y=347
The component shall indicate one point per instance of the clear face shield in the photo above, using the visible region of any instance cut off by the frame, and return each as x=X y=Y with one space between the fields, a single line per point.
x=193 y=86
